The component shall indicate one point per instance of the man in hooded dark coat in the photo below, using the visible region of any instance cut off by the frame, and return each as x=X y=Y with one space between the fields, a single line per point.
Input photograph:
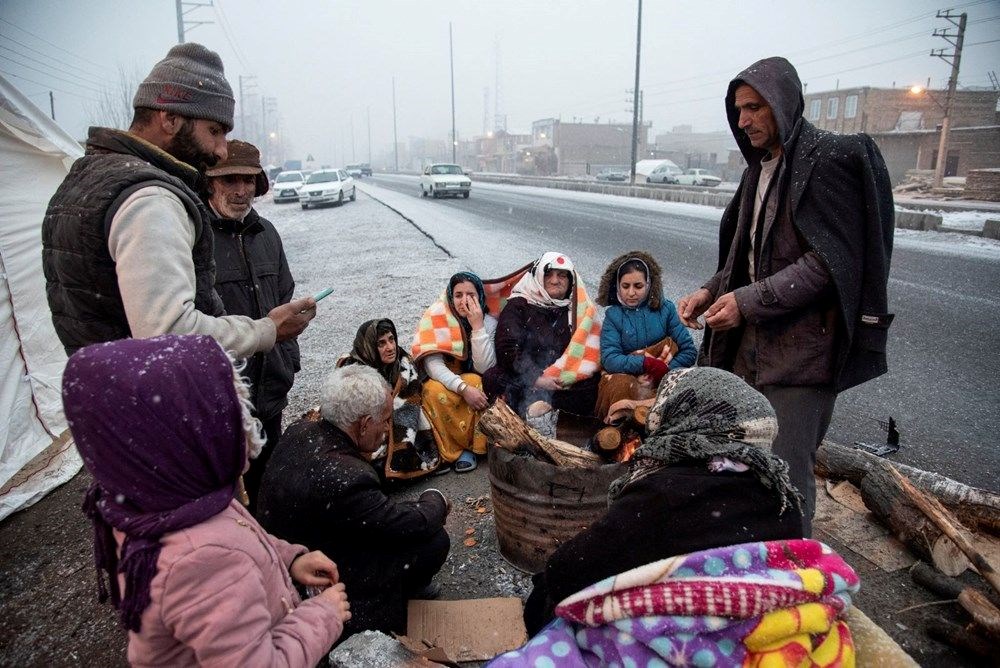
x=798 y=306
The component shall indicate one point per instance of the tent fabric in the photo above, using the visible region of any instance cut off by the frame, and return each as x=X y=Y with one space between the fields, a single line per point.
x=36 y=452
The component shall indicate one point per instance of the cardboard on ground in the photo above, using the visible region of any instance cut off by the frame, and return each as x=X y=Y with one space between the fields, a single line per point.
x=471 y=630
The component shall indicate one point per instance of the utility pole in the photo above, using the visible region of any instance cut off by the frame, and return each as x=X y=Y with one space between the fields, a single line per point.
x=369 y=111
x=52 y=105
x=635 y=96
x=395 y=139
x=955 y=58
x=183 y=23
x=451 y=56
x=353 y=158
x=243 y=118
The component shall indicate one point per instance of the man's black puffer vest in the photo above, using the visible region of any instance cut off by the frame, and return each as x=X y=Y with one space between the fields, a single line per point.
x=81 y=282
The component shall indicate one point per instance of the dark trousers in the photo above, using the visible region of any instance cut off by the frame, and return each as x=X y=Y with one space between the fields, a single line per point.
x=252 y=478
x=379 y=584
x=804 y=415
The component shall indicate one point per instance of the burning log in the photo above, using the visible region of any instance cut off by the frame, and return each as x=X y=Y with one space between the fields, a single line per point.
x=504 y=428
x=976 y=508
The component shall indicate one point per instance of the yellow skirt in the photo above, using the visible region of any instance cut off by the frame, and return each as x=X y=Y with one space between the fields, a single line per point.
x=452 y=420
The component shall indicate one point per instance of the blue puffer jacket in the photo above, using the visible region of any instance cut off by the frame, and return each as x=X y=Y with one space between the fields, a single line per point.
x=626 y=330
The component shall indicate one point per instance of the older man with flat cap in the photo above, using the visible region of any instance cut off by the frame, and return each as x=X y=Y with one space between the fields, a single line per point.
x=126 y=240
x=252 y=278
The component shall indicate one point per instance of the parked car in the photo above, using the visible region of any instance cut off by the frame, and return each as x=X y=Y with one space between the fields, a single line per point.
x=354 y=171
x=327 y=186
x=665 y=173
x=698 y=177
x=444 y=180
x=612 y=175
x=286 y=186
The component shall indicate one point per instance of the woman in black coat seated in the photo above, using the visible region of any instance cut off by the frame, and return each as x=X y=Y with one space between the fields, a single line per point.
x=534 y=329
x=703 y=478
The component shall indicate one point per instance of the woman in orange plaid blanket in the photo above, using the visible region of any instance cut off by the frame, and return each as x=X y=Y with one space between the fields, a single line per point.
x=454 y=356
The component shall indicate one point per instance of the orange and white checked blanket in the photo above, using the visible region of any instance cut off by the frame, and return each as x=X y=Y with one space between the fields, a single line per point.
x=440 y=332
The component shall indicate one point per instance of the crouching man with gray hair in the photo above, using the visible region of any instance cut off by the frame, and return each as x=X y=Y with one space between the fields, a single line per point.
x=320 y=490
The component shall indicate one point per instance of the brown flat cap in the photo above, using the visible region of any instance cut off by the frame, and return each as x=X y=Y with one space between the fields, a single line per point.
x=244 y=158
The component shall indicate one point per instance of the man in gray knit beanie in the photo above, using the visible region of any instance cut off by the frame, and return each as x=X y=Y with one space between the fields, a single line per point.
x=127 y=244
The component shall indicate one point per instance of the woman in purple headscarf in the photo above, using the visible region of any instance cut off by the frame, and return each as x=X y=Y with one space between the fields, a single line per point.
x=164 y=426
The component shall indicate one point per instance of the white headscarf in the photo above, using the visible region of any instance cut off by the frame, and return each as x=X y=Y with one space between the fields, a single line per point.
x=532 y=285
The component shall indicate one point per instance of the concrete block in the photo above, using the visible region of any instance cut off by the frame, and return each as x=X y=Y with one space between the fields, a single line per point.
x=991 y=229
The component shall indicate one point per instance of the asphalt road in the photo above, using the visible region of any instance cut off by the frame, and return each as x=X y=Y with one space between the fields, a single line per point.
x=943 y=347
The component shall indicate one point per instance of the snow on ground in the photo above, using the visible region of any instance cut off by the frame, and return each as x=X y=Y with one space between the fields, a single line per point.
x=949 y=243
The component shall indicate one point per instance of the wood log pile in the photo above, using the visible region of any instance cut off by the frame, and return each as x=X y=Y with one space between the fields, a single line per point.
x=504 y=428
x=933 y=516
x=983 y=184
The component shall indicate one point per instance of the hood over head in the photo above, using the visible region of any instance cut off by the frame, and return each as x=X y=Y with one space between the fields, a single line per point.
x=776 y=80
x=607 y=293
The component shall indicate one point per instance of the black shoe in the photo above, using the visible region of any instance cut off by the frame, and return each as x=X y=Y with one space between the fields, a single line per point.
x=429 y=593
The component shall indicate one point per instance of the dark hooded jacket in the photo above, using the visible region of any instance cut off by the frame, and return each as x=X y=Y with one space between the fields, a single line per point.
x=817 y=313
x=252 y=277
x=628 y=329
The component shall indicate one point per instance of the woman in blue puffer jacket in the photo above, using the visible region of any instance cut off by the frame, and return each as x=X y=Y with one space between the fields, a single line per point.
x=642 y=337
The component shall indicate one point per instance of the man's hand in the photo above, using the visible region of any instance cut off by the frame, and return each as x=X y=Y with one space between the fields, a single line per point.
x=724 y=313
x=475 y=312
x=314 y=569
x=475 y=397
x=548 y=383
x=292 y=318
x=690 y=307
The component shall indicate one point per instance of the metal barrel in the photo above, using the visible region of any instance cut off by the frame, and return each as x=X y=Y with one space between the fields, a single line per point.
x=538 y=506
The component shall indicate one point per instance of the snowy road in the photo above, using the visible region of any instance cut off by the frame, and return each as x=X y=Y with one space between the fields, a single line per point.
x=944 y=288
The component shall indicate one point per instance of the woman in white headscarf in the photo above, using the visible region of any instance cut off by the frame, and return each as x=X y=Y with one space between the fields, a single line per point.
x=534 y=330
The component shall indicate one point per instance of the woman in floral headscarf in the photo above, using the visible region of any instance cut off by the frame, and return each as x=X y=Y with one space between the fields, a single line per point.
x=534 y=330
x=164 y=426
x=411 y=450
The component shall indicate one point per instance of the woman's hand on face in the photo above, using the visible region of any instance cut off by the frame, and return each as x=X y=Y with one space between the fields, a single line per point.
x=548 y=383
x=314 y=569
x=475 y=397
x=338 y=596
x=475 y=312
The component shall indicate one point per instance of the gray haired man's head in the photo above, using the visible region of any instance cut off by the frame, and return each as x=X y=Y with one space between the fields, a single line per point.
x=352 y=392
x=190 y=82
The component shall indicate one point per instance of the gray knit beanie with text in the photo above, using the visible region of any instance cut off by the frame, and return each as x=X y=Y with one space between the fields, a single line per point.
x=191 y=82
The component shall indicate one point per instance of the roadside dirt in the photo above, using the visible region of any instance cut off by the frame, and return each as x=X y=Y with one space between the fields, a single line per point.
x=49 y=615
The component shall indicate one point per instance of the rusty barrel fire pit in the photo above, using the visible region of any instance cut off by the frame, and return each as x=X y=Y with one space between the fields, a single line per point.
x=538 y=506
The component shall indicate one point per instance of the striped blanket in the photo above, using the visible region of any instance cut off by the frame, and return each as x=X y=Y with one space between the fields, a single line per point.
x=439 y=331
x=775 y=603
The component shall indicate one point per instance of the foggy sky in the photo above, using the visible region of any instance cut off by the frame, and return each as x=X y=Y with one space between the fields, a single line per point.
x=327 y=63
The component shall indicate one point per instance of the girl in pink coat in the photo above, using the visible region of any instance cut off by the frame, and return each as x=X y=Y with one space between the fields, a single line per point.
x=164 y=426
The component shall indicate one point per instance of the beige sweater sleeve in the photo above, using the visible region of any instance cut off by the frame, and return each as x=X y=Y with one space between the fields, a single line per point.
x=150 y=240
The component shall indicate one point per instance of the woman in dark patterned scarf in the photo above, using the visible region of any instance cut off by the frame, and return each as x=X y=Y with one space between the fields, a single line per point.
x=411 y=449
x=705 y=477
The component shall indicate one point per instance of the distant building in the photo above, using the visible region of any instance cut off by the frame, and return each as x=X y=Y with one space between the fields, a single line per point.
x=498 y=151
x=906 y=125
x=707 y=150
x=574 y=149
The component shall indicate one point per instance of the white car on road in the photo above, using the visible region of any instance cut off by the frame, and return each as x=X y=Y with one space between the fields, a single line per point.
x=698 y=177
x=443 y=180
x=286 y=186
x=327 y=186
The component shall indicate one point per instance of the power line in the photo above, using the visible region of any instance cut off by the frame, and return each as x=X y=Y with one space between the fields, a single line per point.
x=42 y=53
x=55 y=46
x=48 y=87
x=36 y=61
x=35 y=69
x=227 y=32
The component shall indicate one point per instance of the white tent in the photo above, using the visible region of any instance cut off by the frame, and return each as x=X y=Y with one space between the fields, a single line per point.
x=36 y=451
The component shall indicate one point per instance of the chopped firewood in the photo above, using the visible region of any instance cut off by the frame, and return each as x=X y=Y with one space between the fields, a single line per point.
x=504 y=428
x=884 y=496
x=974 y=602
x=976 y=508
x=949 y=526
x=959 y=637
x=608 y=438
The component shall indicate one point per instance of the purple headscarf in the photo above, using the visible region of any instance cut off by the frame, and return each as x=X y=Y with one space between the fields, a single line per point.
x=159 y=425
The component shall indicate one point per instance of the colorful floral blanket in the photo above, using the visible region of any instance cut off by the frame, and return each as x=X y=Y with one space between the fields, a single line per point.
x=439 y=331
x=776 y=603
